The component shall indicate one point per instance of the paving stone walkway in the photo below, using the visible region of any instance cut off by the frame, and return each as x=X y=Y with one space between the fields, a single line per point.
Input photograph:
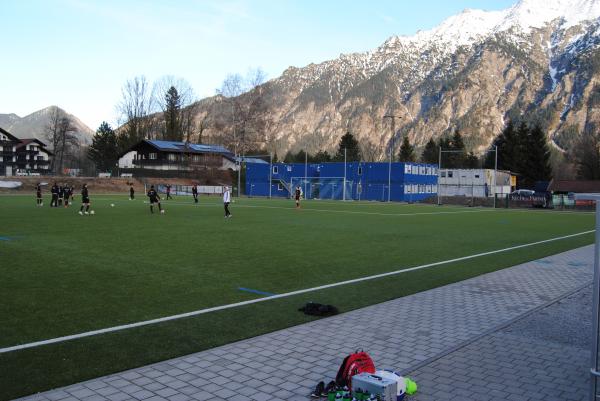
x=435 y=335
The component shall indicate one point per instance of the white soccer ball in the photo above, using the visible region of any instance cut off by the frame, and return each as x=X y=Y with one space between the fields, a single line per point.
x=112 y=205
x=92 y=212
x=162 y=211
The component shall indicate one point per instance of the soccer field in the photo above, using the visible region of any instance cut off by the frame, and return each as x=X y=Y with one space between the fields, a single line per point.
x=63 y=274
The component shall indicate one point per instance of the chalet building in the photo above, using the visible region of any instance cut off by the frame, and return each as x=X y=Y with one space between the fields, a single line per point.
x=175 y=156
x=8 y=158
x=32 y=157
x=22 y=156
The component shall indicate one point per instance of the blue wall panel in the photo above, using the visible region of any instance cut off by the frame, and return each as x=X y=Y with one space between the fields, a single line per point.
x=410 y=182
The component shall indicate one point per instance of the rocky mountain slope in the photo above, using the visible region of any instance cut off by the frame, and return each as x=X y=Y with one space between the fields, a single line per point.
x=539 y=58
x=34 y=125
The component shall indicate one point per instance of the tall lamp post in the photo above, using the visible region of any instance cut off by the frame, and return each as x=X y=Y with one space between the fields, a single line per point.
x=393 y=118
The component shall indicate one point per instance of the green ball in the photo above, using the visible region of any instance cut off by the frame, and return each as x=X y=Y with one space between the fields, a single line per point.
x=411 y=386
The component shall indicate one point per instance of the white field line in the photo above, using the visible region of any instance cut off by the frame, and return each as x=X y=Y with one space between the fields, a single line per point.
x=285 y=295
x=166 y=203
x=212 y=202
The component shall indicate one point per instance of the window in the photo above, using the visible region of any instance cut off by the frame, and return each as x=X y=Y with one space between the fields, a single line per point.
x=476 y=175
x=289 y=168
x=172 y=157
x=359 y=170
x=276 y=170
x=152 y=156
x=279 y=187
x=450 y=174
x=443 y=174
x=407 y=169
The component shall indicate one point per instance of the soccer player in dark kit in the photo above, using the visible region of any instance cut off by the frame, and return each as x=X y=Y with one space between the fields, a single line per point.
x=66 y=195
x=85 y=200
x=131 y=192
x=169 y=192
x=38 y=194
x=54 y=192
x=154 y=198
x=297 y=195
x=195 y=193
x=61 y=194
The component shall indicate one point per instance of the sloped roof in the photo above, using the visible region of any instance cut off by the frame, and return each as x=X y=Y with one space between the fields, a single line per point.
x=184 y=147
x=174 y=146
x=251 y=160
x=28 y=141
x=9 y=135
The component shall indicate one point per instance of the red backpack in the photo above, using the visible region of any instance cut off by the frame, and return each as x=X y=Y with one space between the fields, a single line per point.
x=354 y=364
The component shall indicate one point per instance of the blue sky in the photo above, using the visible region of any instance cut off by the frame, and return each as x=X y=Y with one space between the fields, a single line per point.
x=77 y=54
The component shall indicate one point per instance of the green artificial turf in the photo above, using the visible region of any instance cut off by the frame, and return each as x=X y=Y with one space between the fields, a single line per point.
x=62 y=274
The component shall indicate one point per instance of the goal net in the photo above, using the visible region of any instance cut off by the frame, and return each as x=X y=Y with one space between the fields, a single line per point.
x=323 y=187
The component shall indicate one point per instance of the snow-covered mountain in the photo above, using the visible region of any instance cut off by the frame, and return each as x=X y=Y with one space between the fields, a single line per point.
x=538 y=58
x=34 y=125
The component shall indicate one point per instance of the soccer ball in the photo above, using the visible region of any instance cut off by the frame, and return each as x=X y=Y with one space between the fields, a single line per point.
x=92 y=212
x=162 y=211
x=112 y=205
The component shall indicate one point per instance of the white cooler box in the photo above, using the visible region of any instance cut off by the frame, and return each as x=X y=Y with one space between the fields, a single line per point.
x=385 y=388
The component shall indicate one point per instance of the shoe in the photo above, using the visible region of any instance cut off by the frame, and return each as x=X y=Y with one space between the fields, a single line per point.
x=80 y=213
x=331 y=387
x=87 y=212
x=318 y=390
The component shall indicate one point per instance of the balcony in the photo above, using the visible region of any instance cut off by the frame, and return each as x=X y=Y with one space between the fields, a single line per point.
x=152 y=162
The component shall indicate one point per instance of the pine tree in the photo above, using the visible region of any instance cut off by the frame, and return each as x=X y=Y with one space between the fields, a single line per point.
x=471 y=160
x=350 y=144
x=537 y=163
x=508 y=143
x=104 y=150
x=407 y=151
x=275 y=160
x=322 y=156
x=585 y=153
x=521 y=165
x=456 y=159
x=289 y=157
x=430 y=153
x=509 y=151
x=444 y=144
x=300 y=157
x=173 y=130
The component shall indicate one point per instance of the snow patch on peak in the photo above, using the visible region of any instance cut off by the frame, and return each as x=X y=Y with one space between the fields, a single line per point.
x=537 y=13
x=472 y=25
x=458 y=30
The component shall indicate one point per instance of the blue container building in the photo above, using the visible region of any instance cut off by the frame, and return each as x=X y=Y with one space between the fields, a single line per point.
x=410 y=182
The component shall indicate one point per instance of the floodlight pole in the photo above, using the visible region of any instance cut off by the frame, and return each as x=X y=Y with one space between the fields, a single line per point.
x=239 y=176
x=596 y=317
x=439 y=174
x=495 y=172
x=595 y=368
x=270 y=173
x=344 y=187
x=305 y=171
x=391 y=153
